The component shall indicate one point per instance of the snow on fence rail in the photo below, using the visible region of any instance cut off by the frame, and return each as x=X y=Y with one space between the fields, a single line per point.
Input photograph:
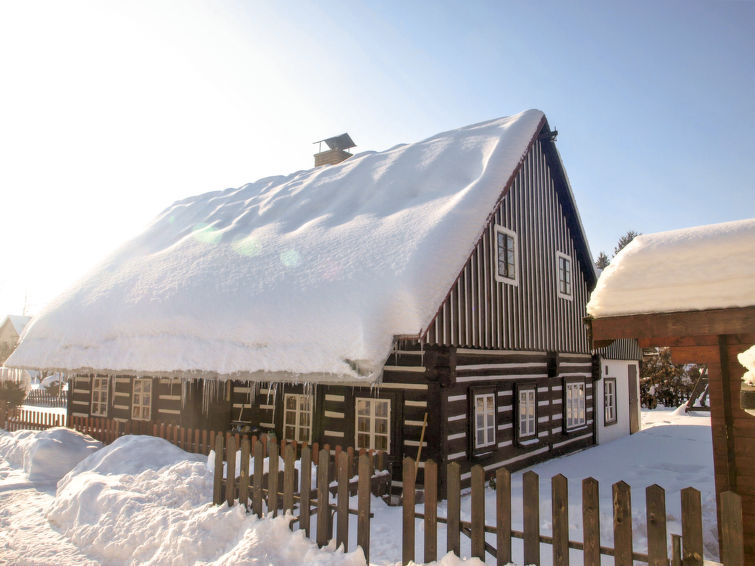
x=25 y=419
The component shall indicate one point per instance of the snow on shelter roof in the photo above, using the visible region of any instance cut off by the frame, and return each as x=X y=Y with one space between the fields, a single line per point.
x=700 y=268
x=304 y=277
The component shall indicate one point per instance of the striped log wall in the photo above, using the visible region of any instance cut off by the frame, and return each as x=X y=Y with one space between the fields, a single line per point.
x=482 y=312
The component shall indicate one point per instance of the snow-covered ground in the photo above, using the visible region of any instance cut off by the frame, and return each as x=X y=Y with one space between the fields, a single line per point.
x=143 y=501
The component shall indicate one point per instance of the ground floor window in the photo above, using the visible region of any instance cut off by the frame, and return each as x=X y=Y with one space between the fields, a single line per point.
x=99 y=396
x=609 y=401
x=373 y=424
x=484 y=420
x=141 y=401
x=297 y=417
x=575 y=405
x=527 y=404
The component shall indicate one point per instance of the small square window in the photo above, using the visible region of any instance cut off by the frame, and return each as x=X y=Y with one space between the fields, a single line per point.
x=609 y=401
x=563 y=265
x=506 y=256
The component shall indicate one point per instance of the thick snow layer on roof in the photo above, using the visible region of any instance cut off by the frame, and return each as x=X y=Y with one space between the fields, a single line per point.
x=313 y=273
x=705 y=267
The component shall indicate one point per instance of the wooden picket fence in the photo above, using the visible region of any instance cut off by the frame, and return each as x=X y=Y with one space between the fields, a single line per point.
x=28 y=419
x=41 y=398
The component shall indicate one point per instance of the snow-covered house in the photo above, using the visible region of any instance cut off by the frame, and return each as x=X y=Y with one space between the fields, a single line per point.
x=693 y=290
x=10 y=331
x=439 y=285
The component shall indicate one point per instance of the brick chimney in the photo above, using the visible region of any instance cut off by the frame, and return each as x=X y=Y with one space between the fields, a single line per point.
x=336 y=151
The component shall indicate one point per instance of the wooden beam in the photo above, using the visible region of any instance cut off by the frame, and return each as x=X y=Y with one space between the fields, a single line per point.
x=675 y=324
x=682 y=341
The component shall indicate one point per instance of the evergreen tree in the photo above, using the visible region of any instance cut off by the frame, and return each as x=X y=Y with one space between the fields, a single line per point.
x=624 y=240
x=602 y=261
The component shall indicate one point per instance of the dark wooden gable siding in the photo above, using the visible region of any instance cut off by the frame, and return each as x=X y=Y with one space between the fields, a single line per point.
x=482 y=312
x=621 y=349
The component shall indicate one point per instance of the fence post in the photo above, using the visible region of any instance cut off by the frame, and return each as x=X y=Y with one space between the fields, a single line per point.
x=363 y=516
x=259 y=462
x=453 y=531
x=305 y=488
x=408 y=480
x=732 y=540
x=289 y=473
x=244 y=473
x=531 y=512
x=323 y=510
x=217 y=496
x=343 y=500
x=478 y=512
x=503 y=516
x=230 y=481
x=591 y=521
x=692 y=528
x=655 y=505
x=622 y=524
x=560 y=515
x=272 y=476
x=676 y=550
x=431 y=511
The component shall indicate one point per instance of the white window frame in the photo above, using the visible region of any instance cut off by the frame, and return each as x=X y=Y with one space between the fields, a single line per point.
x=304 y=405
x=569 y=295
x=100 y=395
x=137 y=403
x=372 y=403
x=484 y=432
x=575 y=413
x=610 y=416
x=498 y=277
x=527 y=414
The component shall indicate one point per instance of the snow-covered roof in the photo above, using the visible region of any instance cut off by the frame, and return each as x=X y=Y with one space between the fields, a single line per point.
x=700 y=268
x=18 y=322
x=307 y=276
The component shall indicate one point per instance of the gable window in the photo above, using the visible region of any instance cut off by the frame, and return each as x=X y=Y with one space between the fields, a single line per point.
x=563 y=263
x=99 y=396
x=141 y=404
x=506 y=255
x=526 y=412
x=609 y=401
x=575 y=405
x=373 y=424
x=297 y=417
x=484 y=420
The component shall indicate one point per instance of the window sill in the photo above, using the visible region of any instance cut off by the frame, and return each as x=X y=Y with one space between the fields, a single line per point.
x=528 y=442
x=579 y=428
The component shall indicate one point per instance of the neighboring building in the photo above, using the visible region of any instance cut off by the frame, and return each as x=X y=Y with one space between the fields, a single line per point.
x=10 y=331
x=617 y=390
x=439 y=285
x=692 y=290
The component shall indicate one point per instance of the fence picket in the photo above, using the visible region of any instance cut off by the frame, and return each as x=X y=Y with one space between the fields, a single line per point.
x=323 y=512
x=230 y=482
x=305 y=489
x=244 y=473
x=591 y=521
x=343 y=500
x=692 y=528
x=272 y=476
x=478 y=512
x=531 y=512
x=622 y=524
x=289 y=475
x=217 y=497
x=431 y=511
x=363 y=516
x=732 y=541
x=655 y=507
x=408 y=479
x=560 y=515
x=503 y=516
x=453 y=529
x=259 y=457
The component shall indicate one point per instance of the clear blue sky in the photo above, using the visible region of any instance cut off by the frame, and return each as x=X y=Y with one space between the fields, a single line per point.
x=111 y=111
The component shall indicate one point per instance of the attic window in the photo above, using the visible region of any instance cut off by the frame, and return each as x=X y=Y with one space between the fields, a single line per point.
x=506 y=256
x=563 y=263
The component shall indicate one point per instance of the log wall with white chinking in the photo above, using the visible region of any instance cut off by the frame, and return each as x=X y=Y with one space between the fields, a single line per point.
x=80 y=396
x=482 y=312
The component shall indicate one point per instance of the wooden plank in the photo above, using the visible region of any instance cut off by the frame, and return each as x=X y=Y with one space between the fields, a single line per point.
x=560 y=515
x=622 y=524
x=244 y=475
x=272 y=476
x=503 y=516
x=323 y=511
x=259 y=457
x=305 y=489
x=732 y=539
x=409 y=479
x=342 y=532
x=591 y=521
x=655 y=505
x=676 y=550
x=453 y=530
x=289 y=475
x=478 y=512
x=431 y=511
x=363 y=513
x=217 y=485
x=230 y=480
x=531 y=512
x=692 y=528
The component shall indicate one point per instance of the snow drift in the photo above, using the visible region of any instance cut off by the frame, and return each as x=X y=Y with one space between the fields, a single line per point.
x=310 y=274
x=705 y=267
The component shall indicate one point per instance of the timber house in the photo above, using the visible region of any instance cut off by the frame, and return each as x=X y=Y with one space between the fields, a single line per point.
x=438 y=286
